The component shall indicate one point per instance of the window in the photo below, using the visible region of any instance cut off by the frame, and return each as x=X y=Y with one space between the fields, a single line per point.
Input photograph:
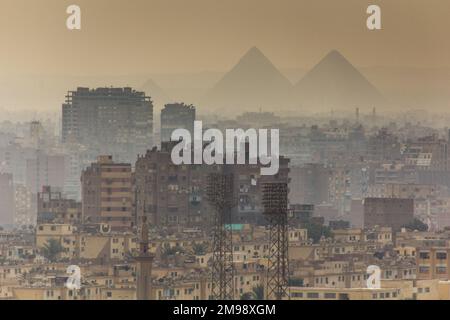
x=424 y=255
x=329 y=295
x=441 y=270
x=424 y=269
x=312 y=295
x=297 y=295
x=441 y=255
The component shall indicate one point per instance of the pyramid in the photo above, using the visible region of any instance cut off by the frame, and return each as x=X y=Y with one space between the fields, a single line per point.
x=157 y=94
x=253 y=83
x=334 y=83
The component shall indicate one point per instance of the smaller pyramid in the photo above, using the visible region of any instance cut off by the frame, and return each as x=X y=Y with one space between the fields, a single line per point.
x=334 y=83
x=155 y=92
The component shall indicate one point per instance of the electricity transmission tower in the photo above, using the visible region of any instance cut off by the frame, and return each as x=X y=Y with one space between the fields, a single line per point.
x=220 y=193
x=275 y=209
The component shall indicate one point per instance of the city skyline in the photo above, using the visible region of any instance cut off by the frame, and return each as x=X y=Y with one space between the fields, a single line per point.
x=224 y=150
x=182 y=49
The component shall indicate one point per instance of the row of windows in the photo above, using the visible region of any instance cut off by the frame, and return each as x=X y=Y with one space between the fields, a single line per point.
x=313 y=295
x=439 y=269
x=383 y=295
x=342 y=278
x=425 y=255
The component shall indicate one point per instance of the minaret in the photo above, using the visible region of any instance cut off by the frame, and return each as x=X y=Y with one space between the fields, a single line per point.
x=144 y=266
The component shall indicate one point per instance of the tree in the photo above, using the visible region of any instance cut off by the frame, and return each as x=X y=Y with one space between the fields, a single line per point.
x=168 y=251
x=51 y=249
x=317 y=231
x=199 y=249
x=257 y=293
x=247 y=296
x=416 y=224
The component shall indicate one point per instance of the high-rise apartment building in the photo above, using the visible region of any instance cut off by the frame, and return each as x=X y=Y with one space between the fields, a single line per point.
x=44 y=170
x=107 y=193
x=169 y=194
x=25 y=206
x=176 y=116
x=172 y=195
x=6 y=199
x=116 y=121
x=383 y=146
x=388 y=212
x=248 y=185
x=310 y=184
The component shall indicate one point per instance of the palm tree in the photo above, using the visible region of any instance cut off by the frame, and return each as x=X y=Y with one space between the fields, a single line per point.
x=52 y=249
x=171 y=251
x=199 y=249
x=168 y=253
x=257 y=293
x=247 y=296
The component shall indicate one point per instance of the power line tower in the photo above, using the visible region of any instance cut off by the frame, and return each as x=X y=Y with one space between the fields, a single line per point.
x=275 y=209
x=220 y=193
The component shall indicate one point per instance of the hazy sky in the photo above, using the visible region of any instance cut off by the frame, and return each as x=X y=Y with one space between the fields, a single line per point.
x=172 y=36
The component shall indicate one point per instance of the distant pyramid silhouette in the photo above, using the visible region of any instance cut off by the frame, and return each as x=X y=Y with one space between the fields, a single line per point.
x=335 y=83
x=254 y=82
x=157 y=94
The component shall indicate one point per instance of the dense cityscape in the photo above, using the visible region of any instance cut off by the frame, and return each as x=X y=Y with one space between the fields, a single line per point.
x=165 y=157
x=363 y=190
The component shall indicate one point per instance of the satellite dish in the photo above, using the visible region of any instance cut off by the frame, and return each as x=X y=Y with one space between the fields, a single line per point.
x=105 y=228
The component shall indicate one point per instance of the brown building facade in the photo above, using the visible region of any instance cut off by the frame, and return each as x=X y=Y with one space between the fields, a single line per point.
x=433 y=263
x=388 y=212
x=170 y=194
x=107 y=193
x=54 y=208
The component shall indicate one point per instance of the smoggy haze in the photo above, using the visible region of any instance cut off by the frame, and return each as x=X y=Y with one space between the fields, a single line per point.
x=161 y=36
x=145 y=38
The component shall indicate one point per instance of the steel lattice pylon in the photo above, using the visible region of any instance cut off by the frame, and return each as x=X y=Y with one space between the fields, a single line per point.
x=220 y=193
x=275 y=208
